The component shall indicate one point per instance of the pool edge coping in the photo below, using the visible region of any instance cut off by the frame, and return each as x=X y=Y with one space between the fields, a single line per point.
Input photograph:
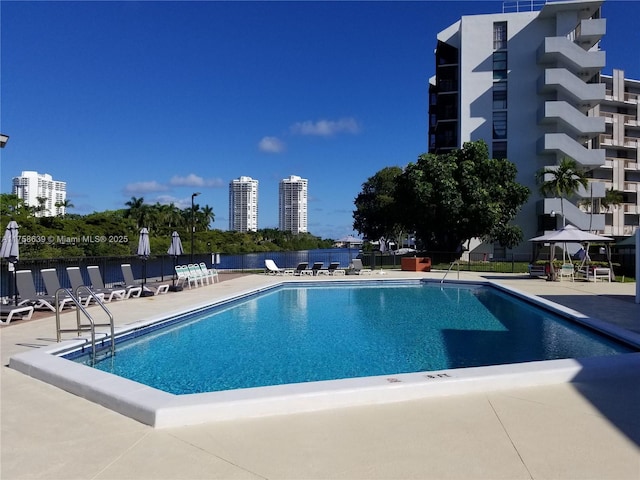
x=164 y=410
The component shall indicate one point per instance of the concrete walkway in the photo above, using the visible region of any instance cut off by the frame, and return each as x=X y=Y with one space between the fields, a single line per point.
x=582 y=430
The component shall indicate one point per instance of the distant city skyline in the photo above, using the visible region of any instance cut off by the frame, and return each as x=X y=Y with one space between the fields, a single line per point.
x=162 y=99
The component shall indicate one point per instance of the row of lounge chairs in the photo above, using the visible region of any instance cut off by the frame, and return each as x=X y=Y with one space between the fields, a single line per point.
x=86 y=291
x=316 y=269
x=197 y=274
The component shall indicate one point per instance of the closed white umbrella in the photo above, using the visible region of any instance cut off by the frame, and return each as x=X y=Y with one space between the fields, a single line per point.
x=10 y=251
x=144 y=250
x=175 y=249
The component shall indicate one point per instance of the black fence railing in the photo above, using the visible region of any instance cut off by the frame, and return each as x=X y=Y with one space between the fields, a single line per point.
x=161 y=267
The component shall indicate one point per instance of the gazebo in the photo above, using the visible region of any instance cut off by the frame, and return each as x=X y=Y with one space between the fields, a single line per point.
x=571 y=234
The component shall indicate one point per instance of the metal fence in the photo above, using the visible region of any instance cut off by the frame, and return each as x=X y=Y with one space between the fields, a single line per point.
x=161 y=267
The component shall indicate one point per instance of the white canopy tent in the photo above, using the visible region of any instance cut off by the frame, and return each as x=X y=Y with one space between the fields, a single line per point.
x=571 y=234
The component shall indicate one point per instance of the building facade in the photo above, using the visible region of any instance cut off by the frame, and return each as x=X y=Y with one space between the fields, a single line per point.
x=621 y=143
x=243 y=205
x=42 y=192
x=528 y=84
x=292 y=211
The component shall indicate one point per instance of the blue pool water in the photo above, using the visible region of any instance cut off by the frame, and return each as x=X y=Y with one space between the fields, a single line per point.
x=310 y=333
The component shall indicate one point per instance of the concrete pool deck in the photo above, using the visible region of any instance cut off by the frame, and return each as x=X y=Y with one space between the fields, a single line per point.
x=585 y=429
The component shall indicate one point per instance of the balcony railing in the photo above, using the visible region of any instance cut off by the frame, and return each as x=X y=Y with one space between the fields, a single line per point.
x=628 y=142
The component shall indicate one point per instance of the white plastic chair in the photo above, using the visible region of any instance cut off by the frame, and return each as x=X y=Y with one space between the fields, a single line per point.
x=566 y=271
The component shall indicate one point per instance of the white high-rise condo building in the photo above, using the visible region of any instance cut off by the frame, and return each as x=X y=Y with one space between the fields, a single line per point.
x=621 y=143
x=528 y=84
x=243 y=204
x=293 y=204
x=42 y=192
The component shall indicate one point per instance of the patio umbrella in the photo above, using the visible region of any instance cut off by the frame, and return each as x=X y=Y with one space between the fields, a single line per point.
x=144 y=250
x=175 y=250
x=570 y=234
x=10 y=251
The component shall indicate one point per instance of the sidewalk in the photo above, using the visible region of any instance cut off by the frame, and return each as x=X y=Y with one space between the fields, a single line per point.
x=586 y=429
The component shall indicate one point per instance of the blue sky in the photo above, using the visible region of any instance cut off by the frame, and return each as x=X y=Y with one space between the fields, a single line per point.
x=163 y=99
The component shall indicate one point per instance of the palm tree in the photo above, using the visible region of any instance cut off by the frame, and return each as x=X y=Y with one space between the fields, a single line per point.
x=612 y=198
x=64 y=204
x=42 y=206
x=206 y=216
x=566 y=179
x=136 y=210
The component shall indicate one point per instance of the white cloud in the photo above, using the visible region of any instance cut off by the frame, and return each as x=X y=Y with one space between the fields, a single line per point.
x=271 y=145
x=193 y=180
x=326 y=128
x=144 y=187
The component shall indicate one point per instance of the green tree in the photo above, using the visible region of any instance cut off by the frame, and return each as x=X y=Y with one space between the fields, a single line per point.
x=66 y=204
x=42 y=206
x=565 y=180
x=612 y=198
x=137 y=211
x=450 y=198
x=206 y=217
x=376 y=213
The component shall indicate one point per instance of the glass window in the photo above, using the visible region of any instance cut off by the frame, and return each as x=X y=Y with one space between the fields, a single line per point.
x=499 y=96
x=499 y=66
x=499 y=60
x=499 y=150
x=499 y=35
x=499 y=125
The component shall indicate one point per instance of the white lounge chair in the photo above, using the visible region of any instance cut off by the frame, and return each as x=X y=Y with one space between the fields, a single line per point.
x=334 y=269
x=358 y=268
x=302 y=269
x=97 y=285
x=28 y=295
x=52 y=283
x=135 y=290
x=9 y=311
x=272 y=269
x=77 y=282
x=210 y=274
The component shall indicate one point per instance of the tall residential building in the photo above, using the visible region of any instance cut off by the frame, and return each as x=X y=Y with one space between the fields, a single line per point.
x=32 y=186
x=621 y=143
x=243 y=205
x=292 y=209
x=527 y=83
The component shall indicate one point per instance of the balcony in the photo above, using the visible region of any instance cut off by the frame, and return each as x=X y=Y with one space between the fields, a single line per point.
x=566 y=146
x=590 y=31
x=631 y=165
x=571 y=119
x=573 y=215
x=628 y=142
x=562 y=51
x=584 y=95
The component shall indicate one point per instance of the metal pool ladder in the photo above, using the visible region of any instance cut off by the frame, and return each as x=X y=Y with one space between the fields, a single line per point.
x=455 y=262
x=84 y=327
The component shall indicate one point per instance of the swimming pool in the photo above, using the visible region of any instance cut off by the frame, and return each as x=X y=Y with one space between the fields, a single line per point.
x=158 y=408
x=314 y=332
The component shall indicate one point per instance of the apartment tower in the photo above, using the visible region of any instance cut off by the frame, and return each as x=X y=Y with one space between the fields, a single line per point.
x=528 y=84
x=243 y=205
x=621 y=143
x=42 y=192
x=293 y=204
